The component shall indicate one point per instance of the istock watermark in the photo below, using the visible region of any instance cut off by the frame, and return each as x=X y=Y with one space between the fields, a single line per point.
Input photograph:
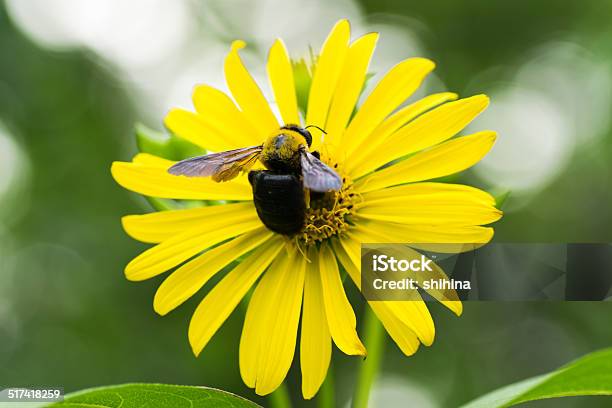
x=383 y=263
x=498 y=271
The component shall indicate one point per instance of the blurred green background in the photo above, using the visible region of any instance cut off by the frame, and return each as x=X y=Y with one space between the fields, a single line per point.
x=75 y=76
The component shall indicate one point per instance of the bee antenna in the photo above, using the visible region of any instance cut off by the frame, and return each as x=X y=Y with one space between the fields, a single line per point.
x=316 y=127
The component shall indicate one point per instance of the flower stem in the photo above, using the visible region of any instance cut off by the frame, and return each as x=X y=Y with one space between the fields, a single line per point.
x=375 y=344
x=326 y=397
x=280 y=397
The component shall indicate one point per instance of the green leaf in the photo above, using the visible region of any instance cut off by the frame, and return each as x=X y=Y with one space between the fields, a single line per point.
x=163 y=145
x=153 y=395
x=589 y=375
x=302 y=76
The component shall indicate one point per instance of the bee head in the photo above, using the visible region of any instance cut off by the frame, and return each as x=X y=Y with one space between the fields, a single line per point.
x=302 y=131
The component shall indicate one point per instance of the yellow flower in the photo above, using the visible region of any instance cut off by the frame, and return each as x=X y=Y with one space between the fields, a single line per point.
x=378 y=203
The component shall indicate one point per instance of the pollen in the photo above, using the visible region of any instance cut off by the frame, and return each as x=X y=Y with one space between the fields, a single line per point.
x=328 y=213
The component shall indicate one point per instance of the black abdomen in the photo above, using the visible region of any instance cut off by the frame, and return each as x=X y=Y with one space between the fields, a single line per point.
x=279 y=200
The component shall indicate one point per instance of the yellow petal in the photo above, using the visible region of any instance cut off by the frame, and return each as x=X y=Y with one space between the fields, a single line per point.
x=270 y=328
x=254 y=323
x=430 y=204
x=280 y=73
x=347 y=252
x=189 y=278
x=219 y=111
x=432 y=214
x=389 y=232
x=448 y=298
x=328 y=68
x=401 y=334
x=413 y=313
x=198 y=130
x=430 y=189
x=408 y=113
x=447 y=158
x=315 y=342
x=282 y=327
x=349 y=88
x=147 y=159
x=428 y=130
x=369 y=231
x=338 y=310
x=183 y=246
x=155 y=181
x=158 y=226
x=396 y=86
x=373 y=233
x=247 y=94
x=223 y=298
x=359 y=164
x=390 y=312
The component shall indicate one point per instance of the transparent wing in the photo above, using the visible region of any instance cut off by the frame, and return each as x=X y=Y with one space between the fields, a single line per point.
x=231 y=169
x=318 y=176
x=221 y=166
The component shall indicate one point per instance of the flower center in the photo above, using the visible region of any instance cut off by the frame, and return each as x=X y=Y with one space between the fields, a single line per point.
x=327 y=213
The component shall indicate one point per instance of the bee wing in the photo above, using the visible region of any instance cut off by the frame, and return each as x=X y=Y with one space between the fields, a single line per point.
x=231 y=168
x=217 y=165
x=318 y=176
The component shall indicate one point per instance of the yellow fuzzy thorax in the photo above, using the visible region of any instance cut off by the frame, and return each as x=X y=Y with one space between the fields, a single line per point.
x=285 y=146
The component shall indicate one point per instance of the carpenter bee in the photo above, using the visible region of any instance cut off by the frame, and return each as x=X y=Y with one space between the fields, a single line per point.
x=278 y=192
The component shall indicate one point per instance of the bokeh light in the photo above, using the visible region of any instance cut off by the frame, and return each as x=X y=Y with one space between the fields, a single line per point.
x=395 y=391
x=534 y=141
x=132 y=34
